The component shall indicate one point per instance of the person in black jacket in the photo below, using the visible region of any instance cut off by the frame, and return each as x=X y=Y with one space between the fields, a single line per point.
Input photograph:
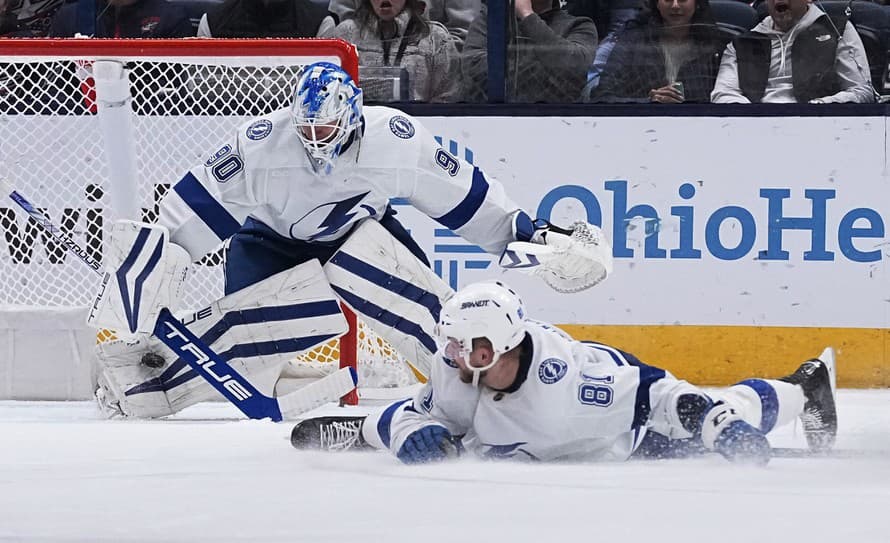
x=670 y=55
x=121 y=19
x=264 y=19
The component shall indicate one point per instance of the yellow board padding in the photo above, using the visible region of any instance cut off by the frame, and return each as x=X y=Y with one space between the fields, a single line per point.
x=723 y=355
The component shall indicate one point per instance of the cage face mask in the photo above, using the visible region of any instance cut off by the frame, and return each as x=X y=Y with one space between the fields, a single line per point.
x=326 y=111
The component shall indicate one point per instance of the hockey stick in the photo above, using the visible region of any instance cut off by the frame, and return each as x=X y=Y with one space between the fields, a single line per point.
x=200 y=357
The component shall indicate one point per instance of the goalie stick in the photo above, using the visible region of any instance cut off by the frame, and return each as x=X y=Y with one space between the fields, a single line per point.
x=200 y=357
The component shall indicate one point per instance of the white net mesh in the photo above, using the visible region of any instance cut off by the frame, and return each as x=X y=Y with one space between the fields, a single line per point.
x=63 y=152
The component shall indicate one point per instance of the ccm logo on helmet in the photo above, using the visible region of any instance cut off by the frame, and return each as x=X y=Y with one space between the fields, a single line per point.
x=475 y=303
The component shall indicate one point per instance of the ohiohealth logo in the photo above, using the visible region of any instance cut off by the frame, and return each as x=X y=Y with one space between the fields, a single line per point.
x=859 y=233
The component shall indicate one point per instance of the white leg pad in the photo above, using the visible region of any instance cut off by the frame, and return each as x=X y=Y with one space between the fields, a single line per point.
x=257 y=330
x=398 y=296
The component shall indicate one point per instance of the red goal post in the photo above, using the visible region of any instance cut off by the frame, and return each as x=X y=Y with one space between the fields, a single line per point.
x=98 y=129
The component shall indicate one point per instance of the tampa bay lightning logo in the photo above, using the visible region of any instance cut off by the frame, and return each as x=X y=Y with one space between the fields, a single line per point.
x=552 y=370
x=508 y=450
x=327 y=219
x=259 y=130
x=401 y=127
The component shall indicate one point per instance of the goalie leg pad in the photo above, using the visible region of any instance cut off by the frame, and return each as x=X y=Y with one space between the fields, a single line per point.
x=398 y=295
x=257 y=329
x=145 y=273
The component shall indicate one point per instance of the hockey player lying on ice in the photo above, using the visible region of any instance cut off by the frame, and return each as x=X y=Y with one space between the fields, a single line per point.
x=503 y=385
x=288 y=191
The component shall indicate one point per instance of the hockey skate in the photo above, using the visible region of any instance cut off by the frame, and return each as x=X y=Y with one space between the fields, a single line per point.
x=817 y=379
x=329 y=434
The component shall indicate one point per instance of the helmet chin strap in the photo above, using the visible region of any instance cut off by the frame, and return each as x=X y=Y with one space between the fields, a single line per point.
x=477 y=372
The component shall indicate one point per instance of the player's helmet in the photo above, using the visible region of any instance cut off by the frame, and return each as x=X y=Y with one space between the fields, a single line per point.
x=491 y=310
x=327 y=110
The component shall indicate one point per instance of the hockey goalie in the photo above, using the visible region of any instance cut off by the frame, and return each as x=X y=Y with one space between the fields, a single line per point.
x=301 y=198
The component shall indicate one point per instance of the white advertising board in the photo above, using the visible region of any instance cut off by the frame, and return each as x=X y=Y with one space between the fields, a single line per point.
x=717 y=221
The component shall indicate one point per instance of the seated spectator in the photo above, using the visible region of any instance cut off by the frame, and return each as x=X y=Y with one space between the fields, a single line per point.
x=26 y=18
x=264 y=19
x=548 y=54
x=395 y=33
x=611 y=18
x=796 y=54
x=670 y=56
x=121 y=19
x=456 y=15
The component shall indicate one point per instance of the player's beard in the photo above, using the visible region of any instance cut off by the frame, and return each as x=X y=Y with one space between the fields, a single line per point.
x=466 y=376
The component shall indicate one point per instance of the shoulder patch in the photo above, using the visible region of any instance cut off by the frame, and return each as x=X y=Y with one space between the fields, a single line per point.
x=552 y=370
x=401 y=127
x=449 y=362
x=259 y=129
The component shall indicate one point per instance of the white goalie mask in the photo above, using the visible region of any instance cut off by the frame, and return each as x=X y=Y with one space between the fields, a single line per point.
x=326 y=111
x=488 y=310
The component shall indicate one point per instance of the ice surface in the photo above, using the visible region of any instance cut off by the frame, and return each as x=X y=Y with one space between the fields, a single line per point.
x=204 y=475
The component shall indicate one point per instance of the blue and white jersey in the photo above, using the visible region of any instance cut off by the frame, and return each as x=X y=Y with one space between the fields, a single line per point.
x=263 y=172
x=580 y=401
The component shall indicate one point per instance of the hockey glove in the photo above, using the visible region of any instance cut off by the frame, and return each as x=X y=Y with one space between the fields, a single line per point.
x=569 y=260
x=724 y=431
x=428 y=444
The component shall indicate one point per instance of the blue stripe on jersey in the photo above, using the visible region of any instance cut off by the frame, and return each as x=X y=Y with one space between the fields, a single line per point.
x=243 y=317
x=206 y=207
x=389 y=282
x=769 y=402
x=648 y=375
x=374 y=311
x=383 y=429
x=464 y=211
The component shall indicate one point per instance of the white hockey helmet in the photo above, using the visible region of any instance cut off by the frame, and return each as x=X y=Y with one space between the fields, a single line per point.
x=326 y=111
x=490 y=310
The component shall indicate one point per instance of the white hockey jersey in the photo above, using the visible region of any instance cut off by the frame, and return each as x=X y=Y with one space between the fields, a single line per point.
x=263 y=171
x=579 y=401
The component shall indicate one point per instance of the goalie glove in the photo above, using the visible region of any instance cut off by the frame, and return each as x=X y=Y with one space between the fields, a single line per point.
x=145 y=273
x=569 y=260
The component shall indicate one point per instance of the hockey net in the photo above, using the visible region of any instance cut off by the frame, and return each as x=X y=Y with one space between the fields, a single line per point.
x=84 y=162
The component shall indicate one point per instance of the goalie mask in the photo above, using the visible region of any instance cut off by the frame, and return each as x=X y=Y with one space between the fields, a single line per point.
x=488 y=310
x=326 y=111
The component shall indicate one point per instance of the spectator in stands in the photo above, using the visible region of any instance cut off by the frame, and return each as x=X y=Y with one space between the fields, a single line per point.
x=670 y=55
x=264 y=19
x=121 y=19
x=456 y=15
x=26 y=18
x=611 y=18
x=395 y=33
x=548 y=54
x=796 y=54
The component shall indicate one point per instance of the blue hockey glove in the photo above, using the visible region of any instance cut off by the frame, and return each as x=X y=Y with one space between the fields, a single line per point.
x=741 y=442
x=724 y=431
x=429 y=444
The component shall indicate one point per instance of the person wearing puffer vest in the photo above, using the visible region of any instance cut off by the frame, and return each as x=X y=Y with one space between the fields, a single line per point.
x=795 y=55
